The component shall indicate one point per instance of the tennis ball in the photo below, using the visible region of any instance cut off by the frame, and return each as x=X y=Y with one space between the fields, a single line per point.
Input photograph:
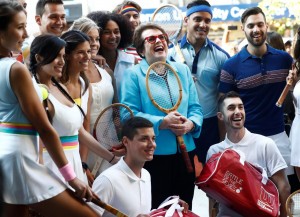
x=44 y=93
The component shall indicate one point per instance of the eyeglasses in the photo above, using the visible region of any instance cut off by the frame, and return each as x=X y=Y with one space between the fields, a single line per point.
x=152 y=39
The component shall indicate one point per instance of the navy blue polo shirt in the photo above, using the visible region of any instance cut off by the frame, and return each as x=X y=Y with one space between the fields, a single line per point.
x=259 y=81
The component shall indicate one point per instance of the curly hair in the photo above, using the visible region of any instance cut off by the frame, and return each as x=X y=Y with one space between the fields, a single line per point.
x=101 y=18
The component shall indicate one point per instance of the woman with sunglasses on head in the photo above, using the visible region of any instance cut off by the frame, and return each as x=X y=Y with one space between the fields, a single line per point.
x=169 y=175
x=116 y=32
x=25 y=182
x=295 y=130
x=103 y=86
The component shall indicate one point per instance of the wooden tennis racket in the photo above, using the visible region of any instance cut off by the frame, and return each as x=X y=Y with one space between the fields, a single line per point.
x=292 y=204
x=165 y=92
x=108 y=128
x=285 y=90
x=170 y=18
x=108 y=207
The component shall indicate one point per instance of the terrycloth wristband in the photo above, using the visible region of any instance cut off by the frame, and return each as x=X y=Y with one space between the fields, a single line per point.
x=67 y=172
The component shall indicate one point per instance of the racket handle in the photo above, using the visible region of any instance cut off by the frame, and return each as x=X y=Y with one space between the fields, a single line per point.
x=185 y=154
x=284 y=93
x=108 y=208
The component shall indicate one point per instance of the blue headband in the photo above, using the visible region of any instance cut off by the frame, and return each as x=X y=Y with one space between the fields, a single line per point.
x=199 y=8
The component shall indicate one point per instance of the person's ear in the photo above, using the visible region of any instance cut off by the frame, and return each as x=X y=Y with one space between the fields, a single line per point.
x=125 y=141
x=242 y=27
x=220 y=116
x=38 y=20
x=38 y=58
x=186 y=19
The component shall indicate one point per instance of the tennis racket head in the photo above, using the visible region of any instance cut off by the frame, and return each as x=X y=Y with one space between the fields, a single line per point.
x=108 y=126
x=163 y=86
x=293 y=204
x=170 y=18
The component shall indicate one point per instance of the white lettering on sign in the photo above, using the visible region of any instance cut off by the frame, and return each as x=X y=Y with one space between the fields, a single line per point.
x=236 y=12
x=221 y=14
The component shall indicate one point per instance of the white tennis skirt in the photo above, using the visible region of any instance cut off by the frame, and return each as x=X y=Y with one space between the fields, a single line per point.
x=22 y=179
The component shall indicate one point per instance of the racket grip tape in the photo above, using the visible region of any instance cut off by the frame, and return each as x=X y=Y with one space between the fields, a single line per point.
x=108 y=208
x=283 y=94
x=185 y=154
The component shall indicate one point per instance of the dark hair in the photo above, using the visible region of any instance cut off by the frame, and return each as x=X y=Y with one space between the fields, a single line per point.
x=288 y=43
x=101 y=18
x=131 y=125
x=40 y=5
x=47 y=46
x=138 y=41
x=198 y=2
x=230 y=94
x=73 y=38
x=275 y=40
x=297 y=51
x=7 y=11
x=251 y=11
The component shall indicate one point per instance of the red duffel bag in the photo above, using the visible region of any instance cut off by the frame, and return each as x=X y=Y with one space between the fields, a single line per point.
x=239 y=185
x=171 y=208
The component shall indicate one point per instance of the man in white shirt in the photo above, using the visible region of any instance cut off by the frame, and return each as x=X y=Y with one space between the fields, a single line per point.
x=126 y=185
x=258 y=149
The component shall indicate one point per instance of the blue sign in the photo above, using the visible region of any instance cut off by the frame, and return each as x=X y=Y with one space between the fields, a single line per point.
x=221 y=13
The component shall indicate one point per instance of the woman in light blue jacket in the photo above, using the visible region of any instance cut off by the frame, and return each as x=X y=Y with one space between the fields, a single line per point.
x=168 y=171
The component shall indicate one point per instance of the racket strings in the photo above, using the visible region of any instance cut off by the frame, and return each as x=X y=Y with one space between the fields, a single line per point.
x=109 y=126
x=164 y=89
x=170 y=20
x=295 y=205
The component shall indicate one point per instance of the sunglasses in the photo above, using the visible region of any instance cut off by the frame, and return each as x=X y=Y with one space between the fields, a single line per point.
x=152 y=39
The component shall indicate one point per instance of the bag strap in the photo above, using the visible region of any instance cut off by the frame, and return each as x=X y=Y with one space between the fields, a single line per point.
x=261 y=169
x=173 y=201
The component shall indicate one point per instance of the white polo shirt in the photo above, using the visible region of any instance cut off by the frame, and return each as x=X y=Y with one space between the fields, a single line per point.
x=259 y=150
x=122 y=189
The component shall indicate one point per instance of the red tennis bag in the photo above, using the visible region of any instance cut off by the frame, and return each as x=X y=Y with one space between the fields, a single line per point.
x=171 y=208
x=239 y=185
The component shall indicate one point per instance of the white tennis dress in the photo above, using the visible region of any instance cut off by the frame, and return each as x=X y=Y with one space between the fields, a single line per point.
x=66 y=121
x=295 y=130
x=22 y=179
x=102 y=96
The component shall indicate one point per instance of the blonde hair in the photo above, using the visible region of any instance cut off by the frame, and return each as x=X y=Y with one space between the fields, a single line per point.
x=84 y=25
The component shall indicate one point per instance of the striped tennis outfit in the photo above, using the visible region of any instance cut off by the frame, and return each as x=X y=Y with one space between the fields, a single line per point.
x=67 y=122
x=22 y=179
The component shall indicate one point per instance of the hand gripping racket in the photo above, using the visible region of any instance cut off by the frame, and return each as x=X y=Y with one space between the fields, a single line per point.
x=170 y=18
x=165 y=92
x=285 y=91
x=108 y=127
x=292 y=204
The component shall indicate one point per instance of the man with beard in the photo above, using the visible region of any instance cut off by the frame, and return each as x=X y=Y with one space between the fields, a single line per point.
x=205 y=60
x=258 y=149
x=258 y=73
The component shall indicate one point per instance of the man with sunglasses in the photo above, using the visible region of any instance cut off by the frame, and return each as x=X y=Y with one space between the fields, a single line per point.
x=205 y=60
x=169 y=175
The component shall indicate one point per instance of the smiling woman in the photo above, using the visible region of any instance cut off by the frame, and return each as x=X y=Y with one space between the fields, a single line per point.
x=116 y=34
x=22 y=122
x=152 y=44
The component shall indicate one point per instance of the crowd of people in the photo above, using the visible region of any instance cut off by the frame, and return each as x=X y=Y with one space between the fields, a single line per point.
x=50 y=100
